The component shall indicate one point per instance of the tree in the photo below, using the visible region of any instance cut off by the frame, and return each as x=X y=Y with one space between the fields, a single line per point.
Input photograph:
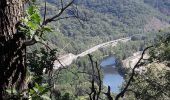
x=12 y=50
x=14 y=39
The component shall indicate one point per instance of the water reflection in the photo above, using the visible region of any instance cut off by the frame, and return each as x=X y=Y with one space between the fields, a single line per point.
x=111 y=76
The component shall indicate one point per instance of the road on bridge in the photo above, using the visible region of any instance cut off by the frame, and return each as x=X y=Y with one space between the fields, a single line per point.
x=67 y=59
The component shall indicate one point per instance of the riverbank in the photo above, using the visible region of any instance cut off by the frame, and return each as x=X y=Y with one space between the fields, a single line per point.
x=130 y=62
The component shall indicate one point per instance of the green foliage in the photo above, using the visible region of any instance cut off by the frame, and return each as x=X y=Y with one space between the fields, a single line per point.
x=41 y=62
x=153 y=82
x=33 y=22
x=151 y=85
x=39 y=92
x=161 y=52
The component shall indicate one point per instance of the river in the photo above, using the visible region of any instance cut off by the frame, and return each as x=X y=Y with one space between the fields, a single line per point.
x=111 y=76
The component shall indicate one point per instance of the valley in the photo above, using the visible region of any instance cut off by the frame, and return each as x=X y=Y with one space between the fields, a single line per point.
x=84 y=49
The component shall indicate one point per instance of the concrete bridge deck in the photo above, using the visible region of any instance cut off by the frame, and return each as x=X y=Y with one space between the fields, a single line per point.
x=67 y=59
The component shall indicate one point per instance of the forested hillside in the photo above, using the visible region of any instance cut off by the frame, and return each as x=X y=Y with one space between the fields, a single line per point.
x=105 y=20
x=161 y=5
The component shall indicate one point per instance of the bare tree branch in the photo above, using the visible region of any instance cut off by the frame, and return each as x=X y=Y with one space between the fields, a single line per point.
x=59 y=14
x=62 y=5
x=92 y=94
x=44 y=44
x=108 y=94
x=95 y=95
x=30 y=42
x=100 y=81
x=77 y=15
x=65 y=18
x=45 y=10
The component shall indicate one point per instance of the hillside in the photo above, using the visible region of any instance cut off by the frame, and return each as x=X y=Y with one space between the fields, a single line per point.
x=107 y=20
x=161 y=5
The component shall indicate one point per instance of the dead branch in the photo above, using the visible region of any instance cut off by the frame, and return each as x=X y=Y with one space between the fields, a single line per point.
x=95 y=95
x=66 y=17
x=100 y=82
x=59 y=14
x=92 y=94
x=108 y=94
x=62 y=4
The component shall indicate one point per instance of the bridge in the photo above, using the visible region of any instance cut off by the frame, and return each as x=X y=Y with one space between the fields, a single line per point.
x=67 y=59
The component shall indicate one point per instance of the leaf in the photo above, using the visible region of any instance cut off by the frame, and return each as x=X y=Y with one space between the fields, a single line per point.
x=35 y=89
x=32 y=91
x=36 y=85
x=44 y=91
x=35 y=18
x=32 y=25
x=44 y=84
x=30 y=10
x=8 y=91
x=25 y=20
x=41 y=89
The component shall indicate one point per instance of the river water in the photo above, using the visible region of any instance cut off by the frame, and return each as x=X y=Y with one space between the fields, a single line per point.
x=111 y=76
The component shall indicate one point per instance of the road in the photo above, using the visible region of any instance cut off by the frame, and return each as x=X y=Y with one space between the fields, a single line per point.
x=67 y=59
x=112 y=43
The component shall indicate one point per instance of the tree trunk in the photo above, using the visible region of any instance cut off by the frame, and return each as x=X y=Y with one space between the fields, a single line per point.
x=12 y=50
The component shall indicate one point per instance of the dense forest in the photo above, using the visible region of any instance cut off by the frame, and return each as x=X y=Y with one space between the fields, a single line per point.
x=104 y=21
x=36 y=35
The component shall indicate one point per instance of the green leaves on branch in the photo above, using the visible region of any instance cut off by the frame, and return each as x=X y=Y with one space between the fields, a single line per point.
x=33 y=21
x=39 y=92
x=33 y=18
